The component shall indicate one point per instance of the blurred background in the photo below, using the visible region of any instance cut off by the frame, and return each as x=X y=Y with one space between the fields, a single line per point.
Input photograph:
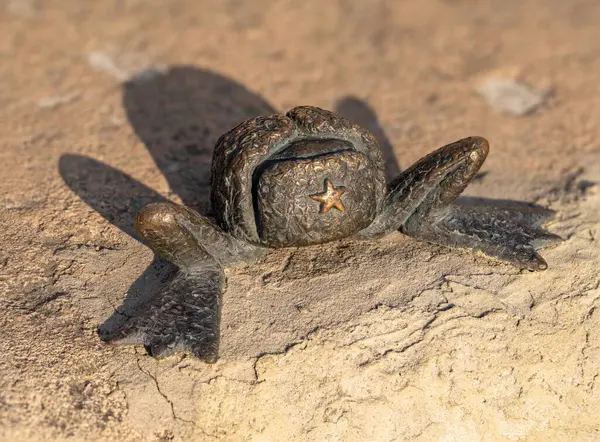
x=180 y=73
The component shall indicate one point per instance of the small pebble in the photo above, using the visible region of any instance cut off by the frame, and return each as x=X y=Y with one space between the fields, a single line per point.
x=506 y=95
x=103 y=62
x=125 y=66
x=53 y=102
x=23 y=8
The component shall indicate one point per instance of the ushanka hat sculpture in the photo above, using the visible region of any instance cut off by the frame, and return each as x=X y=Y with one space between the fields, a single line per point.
x=304 y=178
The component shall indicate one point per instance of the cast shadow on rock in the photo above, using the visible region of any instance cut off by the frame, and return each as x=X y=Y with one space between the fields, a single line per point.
x=179 y=114
x=361 y=113
x=117 y=197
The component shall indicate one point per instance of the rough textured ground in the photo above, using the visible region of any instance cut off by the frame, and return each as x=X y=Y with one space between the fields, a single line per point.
x=107 y=105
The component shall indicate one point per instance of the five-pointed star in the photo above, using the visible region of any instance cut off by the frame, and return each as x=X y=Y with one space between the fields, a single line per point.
x=331 y=197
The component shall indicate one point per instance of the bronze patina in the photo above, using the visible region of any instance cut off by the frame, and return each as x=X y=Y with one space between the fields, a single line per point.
x=304 y=178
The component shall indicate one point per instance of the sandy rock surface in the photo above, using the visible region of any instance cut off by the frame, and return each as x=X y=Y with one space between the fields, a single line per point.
x=108 y=105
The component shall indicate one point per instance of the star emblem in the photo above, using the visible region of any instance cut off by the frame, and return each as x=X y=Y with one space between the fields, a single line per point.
x=331 y=197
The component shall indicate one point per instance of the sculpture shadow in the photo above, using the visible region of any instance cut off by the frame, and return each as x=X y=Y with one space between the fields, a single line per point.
x=361 y=113
x=179 y=114
x=117 y=197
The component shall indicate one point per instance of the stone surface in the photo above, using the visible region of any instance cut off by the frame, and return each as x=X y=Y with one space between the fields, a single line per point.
x=106 y=106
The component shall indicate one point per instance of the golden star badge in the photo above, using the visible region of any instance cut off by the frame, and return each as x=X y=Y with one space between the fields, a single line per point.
x=331 y=197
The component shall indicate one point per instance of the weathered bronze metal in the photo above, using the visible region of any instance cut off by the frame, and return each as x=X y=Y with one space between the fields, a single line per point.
x=310 y=177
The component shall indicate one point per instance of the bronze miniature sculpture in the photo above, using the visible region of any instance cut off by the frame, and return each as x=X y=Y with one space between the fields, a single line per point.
x=306 y=178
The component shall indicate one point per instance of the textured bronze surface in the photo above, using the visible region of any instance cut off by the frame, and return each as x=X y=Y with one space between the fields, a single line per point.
x=286 y=214
x=311 y=140
x=306 y=178
x=330 y=198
